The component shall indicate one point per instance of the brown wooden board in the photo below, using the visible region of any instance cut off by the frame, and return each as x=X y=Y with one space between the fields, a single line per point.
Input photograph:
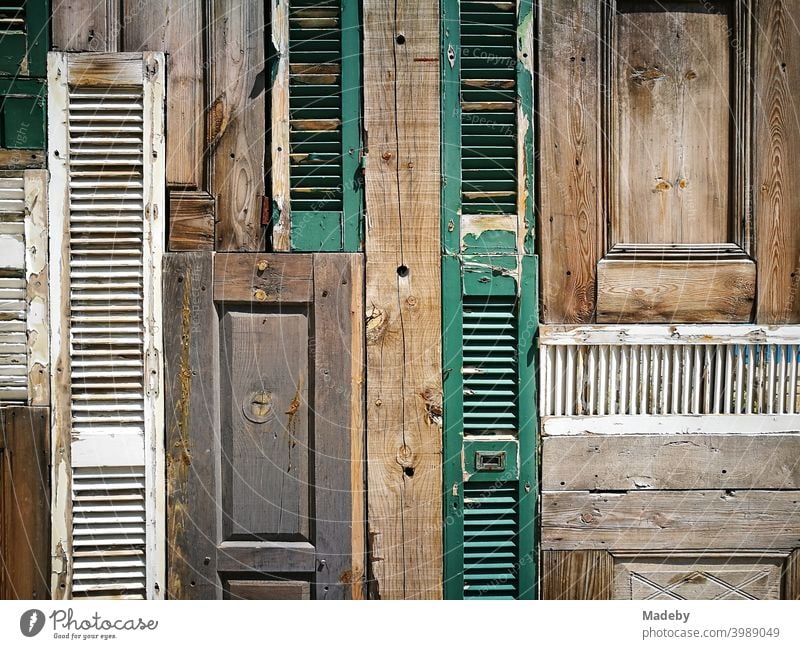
x=777 y=204
x=661 y=520
x=570 y=228
x=577 y=575
x=243 y=589
x=404 y=432
x=680 y=291
x=191 y=221
x=621 y=462
x=24 y=503
x=791 y=576
x=264 y=402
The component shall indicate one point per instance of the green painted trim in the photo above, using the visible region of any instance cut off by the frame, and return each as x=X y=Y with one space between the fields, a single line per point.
x=525 y=57
x=451 y=126
x=23 y=87
x=317 y=231
x=453 y=426
x=528 y=327
x=38 y=19
x=352 y=179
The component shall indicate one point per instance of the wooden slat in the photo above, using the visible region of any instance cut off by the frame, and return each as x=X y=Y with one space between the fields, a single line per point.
x=621 y=462
x=85 y=26
x=192 y=400
x=115 y=69
x=791 y=576
x=777 y=134
x=286 y=279
x=404 y=434
x=674 y=424
x=280 y=148
x=569 y=225
x=191 y=221
x=701 y=520
x=175 y=28
x=236 y=122
x=21 y=159
x=268 y=590
x=691 y=291
x=577 y=575
x=24 y=503
x=681 y=334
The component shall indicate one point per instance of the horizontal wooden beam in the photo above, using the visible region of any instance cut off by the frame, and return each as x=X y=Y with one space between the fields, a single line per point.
x=670 y=424
x=191 y=221
x=271 y=278
x=679 y=334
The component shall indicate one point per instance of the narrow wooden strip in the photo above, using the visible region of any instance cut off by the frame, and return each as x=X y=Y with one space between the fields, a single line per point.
x=281 y=206
x=270 y=278
x=577 y=575
x=37 y=323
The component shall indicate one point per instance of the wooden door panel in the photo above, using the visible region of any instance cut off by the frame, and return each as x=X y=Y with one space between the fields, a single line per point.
x=265 y=434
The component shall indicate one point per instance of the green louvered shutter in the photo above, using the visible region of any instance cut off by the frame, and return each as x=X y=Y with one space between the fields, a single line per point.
x=490 y=302
x=322 y=211
x=23 y=51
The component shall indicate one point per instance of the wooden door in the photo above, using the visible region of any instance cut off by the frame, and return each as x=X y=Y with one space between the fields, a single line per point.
x=264 y=430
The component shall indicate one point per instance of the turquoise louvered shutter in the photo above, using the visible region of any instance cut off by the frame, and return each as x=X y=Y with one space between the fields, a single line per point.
x=489 y=301
x=316 y=164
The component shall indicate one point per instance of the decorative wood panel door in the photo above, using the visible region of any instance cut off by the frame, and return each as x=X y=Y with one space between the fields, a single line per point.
x=264 y=425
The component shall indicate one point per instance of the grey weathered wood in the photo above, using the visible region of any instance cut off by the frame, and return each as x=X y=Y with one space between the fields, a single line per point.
x=577 y=574
x=192 y=405
x=570 y=225
x=701 y=520
x=24 y=503
x=267 y=557
x=338 y=399
x=243 y=589
x=791 y=576
x=614 y=462
x=707 y=576
x=284 y=278
x=236 y=122
x=85 y=25
x=21 y=159
x=264 y=383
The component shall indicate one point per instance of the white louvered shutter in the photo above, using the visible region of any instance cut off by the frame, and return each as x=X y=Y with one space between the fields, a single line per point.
x=106 y=152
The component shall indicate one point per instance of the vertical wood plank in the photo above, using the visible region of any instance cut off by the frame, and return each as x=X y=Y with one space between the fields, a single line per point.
x=791 y=576
x=24 y=503
x=191 y=400
x=236 y=122
x=404 y=434
x=581 y=574
x=569 y=120
x=282 y=210
x=777 y=138
x=85 y=25
x=337 y=392
x=175 y=28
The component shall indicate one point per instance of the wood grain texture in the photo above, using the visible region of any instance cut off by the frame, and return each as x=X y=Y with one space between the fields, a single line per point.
x=709 y=576
x=191 y=221
x=670 y=146
x=174 y=27
x=691 y=520
x=570 y=228
x=577 y=575
x=280 y=149
x=675 y=291
x=404 y=434
x=791 y=576
x=24 y=503
x=280 y=590
x=191 y=402
x=237 y=121
x=620 y=462
x=21 y=159
x=777 y=134
x=85 y=25
x=263 y=277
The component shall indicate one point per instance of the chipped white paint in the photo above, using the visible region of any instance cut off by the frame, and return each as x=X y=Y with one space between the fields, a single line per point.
x=107 y=237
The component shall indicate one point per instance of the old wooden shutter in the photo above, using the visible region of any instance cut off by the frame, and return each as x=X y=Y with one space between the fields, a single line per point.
x=489 y=298
x=106 y=155
x=316 y=132
x=265 y=429
x=23 y=47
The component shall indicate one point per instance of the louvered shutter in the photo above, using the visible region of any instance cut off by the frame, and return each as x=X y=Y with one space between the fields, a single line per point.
x=316 y=143
x=23 y=306
x=489 y=298
x=23 y=48
x=106 y=154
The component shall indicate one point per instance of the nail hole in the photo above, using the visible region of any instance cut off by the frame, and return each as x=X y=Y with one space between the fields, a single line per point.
x=409 y=471
x=402 y=270
x=724 y=470
x=569 y=272
x=324 y=293
x=400 y=39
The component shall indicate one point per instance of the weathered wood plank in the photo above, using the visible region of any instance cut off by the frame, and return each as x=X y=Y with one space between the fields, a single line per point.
x=24 y=503
x=620 y=462
x=280 y=590
x=681 y=334
x=85 y=26
x=37 y=323
x=263 y=277
x=777 y=134
x=175 y=27
x=791 y=576
x=280 y=149
x=338 y=401
x=670 y=425
x=21 y=159
x=236 y=122
x=577 y=575
x=191 y=401
x=691 y=520
x=688 y=291
x=114 y=69
x=570 y=226
x=403 y=298
x=266 y=556
x=191 y=221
